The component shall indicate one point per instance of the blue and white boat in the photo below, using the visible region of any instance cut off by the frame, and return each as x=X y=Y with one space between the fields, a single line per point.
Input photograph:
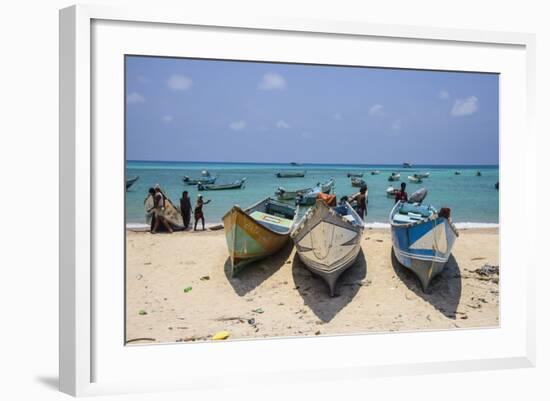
x=422 y=238
x=310 y=196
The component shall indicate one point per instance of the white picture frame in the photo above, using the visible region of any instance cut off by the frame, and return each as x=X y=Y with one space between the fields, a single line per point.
x=86 y=332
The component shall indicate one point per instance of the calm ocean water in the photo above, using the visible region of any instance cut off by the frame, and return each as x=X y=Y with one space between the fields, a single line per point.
x=472 y=199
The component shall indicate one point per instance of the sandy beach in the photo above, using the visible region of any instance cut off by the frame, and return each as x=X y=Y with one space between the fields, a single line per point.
x=178 y=289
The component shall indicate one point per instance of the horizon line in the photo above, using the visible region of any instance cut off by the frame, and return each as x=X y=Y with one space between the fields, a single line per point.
x=314 y=163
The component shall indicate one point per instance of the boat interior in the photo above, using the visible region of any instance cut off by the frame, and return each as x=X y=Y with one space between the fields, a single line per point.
x=276 y=216
x=348 y=214
x=411 y=213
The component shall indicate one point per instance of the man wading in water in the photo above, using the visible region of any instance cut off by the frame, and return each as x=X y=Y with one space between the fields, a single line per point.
x=199 y=215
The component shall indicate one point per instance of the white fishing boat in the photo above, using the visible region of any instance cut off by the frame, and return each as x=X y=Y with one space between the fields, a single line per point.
x=394 y=177
x=423 y=175
x=390 y=191
x=375 y=172
x=422 y=238
x=328 y=240
x=414 y=178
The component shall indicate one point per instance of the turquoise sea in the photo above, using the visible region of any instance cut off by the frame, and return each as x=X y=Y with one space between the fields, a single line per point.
x=473 y=200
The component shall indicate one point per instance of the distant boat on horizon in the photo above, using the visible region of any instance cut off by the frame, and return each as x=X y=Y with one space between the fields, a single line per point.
x=407 y=165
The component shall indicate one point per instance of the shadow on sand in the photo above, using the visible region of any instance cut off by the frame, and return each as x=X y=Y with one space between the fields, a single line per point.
x=315 y=291
x=256 y=273
x=49 y=381
x=444 y=290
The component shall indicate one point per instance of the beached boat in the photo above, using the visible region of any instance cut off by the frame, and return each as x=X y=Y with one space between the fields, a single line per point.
x=407 y=165
x=394 y=177
x=375 y=172
x=328 y=240
x=131 y=181
x=290 y=174
x=257 y=232
x=390 y=191
x=216 y=187
x=195 y=181
x=357 y=182
x=359 y=175
x=171 y=213
x=414 y=178
x=310 y=196
x=422 y=238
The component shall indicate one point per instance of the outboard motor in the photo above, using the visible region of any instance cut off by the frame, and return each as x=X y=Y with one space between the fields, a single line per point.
x=418 y=196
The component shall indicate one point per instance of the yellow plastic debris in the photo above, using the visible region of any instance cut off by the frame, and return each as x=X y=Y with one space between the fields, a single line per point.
x=221 y=335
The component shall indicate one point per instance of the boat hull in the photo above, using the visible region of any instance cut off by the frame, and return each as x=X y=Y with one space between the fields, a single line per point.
x=327 y=244
x=131 y=182
x=247 y=240
x=424 y=247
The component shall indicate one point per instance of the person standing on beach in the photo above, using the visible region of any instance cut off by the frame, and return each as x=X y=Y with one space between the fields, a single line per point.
x=362 y=199
x=199 y=215
x=401 y=195
x=159 y=207
x=185 y=209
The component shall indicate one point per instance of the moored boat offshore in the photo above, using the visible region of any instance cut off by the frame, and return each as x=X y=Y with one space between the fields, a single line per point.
x=355 y=175
x=216 y=187
x=422 y=239
x=310 y=196
x=357 y=182
x=206 y=180
x=291 y=174
x=257 y=232
x=394 y=177
x=131 y=181
x=328 y=240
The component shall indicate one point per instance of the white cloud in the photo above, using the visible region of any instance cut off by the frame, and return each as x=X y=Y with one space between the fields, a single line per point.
x=143 y=79
x=167 y=119
x=396 y=125
x=377 y=111
x=464 y=107
x=179 y=82
x=282 y=124
x=271 y=81
x=134 y=98
x=444 y=95
x=337 y=116
x=238 y=125
x=306 y=135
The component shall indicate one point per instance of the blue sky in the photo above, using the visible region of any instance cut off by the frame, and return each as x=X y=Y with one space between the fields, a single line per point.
x=202 y=110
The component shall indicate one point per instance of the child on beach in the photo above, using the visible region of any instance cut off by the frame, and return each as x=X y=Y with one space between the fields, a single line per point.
x=185 y=209
x=199 y=215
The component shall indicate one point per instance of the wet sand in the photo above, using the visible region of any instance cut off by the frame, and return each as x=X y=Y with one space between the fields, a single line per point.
x=178 y=289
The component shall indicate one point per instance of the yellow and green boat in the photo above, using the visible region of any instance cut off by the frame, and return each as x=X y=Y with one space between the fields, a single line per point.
x=257 y=232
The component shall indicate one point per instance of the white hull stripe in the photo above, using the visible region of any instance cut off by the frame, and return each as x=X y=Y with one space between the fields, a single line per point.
x=422 y=257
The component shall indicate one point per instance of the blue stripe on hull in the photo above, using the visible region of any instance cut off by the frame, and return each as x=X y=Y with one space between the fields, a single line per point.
x=426 y=263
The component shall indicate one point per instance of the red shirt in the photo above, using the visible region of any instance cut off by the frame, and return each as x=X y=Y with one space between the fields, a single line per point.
x=401 y=196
